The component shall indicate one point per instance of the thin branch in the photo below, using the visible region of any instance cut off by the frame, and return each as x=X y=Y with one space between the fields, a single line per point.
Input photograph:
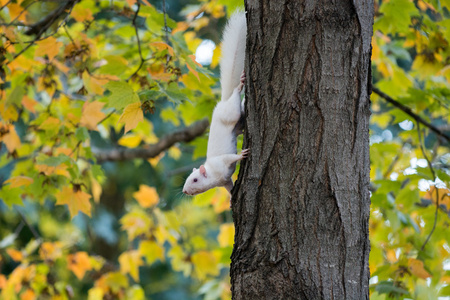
x=435 y=187
x=409 y=112
x=33 y=231
x=185 y=135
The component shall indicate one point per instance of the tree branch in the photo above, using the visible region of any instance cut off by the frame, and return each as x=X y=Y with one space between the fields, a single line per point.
x=408 y=111
x=185 y=135
x=41 y=26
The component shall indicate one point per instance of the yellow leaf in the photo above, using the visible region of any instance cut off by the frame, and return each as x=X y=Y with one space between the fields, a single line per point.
x=146 y=196
x=162 y=46
x=94 y=85
x=49 y=170
x=151 y=251
x=96 y=190
x=49 y=46
x=205 y=264
x=181 y=26
x=130 y=262
x=75 y=200
x=10 y=138
x=226 y=235
x=50 y=123
x=3 y=281
x=417 y=269
x=135 y=223
x=174 y=152
x=92 y=114
x=79 y=263
x=180 y=261
x=130 y=141
x=16 y=255
x=9 y=113
x=131 y=116
x=19 y=181
x=95 y=294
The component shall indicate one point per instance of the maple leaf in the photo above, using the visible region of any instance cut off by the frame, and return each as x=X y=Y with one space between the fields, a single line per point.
x=49 y=46
x=146 y=196
x=94 y=85
x=151 y=251
x=92 y=114
x=19 y=181
x=121 y=94
x=131 y=116
x=79 y=263
x=135 y=223
x=130 y=262
x=205 y=264
x=11 y=139
x=417 y=269
x=75 y=200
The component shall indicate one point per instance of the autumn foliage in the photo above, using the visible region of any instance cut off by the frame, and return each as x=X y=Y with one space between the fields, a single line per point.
x=101 y=119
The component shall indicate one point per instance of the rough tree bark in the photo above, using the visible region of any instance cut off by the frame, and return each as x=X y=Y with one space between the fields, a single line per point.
x=301 y=202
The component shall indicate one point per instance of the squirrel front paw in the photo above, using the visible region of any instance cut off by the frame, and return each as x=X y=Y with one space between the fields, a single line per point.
x=244 y=153
x=242 y=79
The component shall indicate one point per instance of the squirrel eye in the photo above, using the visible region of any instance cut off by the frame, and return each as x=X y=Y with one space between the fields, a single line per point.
x=195 y=179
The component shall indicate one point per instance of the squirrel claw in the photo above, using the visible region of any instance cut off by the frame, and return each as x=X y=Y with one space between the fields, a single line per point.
x=242 y=79
x=245 y=152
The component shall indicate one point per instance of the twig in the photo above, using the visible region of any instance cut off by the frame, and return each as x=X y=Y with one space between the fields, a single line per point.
x=33 y=231
x=24 y=10
x=185 y=135
x=1 y=8
x=435 y=187
x=408 y=111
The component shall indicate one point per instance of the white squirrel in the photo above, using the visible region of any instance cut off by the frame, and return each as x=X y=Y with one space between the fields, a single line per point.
x=221 y=154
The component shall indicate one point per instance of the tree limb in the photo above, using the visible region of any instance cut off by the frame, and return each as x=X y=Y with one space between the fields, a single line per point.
x=41 y=26
x=408 y=111
x=184 y=135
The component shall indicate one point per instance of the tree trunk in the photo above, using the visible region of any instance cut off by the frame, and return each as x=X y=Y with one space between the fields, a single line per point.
x=301 y=202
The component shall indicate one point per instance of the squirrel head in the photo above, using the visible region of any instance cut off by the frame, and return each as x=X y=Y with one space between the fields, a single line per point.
x=198 y=182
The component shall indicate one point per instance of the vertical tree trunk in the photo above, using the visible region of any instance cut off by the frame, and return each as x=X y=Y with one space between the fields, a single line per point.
x=301 y=203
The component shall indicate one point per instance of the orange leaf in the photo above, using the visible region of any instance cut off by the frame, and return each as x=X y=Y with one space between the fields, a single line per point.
x=92 y=114
x=50 y=251
x=75 y=200
x=19 y=181
x=146 y=196
x=131 y=116
x=82 y=14
x=17 y=11
x=131 y=2
x=29 y=103
x=28 y=295
x=16 y=255
x=79 y=263
x=10 y=138
x=417 y=269
x=162 y=46
x=50 y=47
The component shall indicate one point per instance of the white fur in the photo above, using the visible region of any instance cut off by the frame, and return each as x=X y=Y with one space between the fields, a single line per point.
x=221 y=154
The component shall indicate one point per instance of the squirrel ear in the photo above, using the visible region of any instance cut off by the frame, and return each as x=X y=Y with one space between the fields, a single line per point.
x=203 y=170
x=194 y=169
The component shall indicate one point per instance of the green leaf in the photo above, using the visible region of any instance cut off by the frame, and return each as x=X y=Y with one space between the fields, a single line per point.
x=387 y=287
x=16 y=95
x=52 y=161
x=121 y=94
x=82 y=134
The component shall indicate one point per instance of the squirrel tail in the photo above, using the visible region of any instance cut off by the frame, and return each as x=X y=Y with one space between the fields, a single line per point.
x=233 y=53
